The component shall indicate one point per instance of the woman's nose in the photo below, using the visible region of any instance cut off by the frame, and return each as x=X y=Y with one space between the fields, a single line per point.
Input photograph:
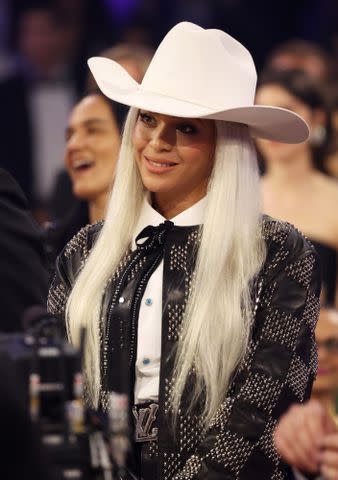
x=162 y=138
x=76 y=141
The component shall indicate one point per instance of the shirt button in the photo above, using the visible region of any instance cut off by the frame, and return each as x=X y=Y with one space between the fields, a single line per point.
x=121 y=300
x=149 y=302
x=146 y=361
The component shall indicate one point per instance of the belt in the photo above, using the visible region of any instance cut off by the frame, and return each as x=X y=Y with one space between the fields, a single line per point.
x=145 y=421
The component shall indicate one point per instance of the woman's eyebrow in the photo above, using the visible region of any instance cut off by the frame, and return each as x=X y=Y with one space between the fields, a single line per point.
x=87 y=123
x=94 y=120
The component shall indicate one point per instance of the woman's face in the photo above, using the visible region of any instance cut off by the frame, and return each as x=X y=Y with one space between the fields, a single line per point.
x=327 y=341
x=276 y=95
x=93 y=142
x=174 y=155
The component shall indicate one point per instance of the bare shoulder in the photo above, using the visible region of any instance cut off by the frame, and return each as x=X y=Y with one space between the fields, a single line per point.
x=328 y=186
x=329 y=193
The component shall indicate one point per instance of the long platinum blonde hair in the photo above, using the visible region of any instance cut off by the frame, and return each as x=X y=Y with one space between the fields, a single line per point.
x=217 y=319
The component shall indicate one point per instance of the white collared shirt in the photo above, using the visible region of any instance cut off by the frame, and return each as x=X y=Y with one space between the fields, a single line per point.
x=147 y=368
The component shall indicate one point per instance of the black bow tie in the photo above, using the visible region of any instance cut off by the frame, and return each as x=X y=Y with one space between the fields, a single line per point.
x=155 y=236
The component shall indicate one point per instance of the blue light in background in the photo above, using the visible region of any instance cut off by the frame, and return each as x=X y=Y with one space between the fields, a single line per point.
x=121 y=10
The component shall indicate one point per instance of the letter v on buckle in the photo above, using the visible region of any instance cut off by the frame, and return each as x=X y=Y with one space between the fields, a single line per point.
x=144 y=419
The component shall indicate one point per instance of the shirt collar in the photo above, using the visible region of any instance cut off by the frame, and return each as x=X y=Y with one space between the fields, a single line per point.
x=193 y=215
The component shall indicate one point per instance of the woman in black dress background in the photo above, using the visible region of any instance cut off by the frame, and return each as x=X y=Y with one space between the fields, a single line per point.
x=295 y=185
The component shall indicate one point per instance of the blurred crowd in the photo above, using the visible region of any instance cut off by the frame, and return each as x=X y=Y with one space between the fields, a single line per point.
x=60 y=137
x=43 y=73
x=44 y=46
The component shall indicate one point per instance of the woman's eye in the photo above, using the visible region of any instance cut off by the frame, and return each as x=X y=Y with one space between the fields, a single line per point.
x=92 y=130
x=147 y=119
x=187 y=128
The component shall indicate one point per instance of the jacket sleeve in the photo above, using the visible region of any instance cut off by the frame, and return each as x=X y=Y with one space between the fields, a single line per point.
x=68 y=265
x=278 y=370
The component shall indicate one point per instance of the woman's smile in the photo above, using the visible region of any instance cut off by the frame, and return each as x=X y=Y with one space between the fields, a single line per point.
x=80 y=166
x=93 y=142
x=159 y=165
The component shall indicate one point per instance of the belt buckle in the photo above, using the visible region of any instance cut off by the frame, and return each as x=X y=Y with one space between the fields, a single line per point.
x=144 y=419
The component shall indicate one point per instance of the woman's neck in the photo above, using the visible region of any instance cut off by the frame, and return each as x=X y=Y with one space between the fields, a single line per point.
x=97 y=207
x=170 y=206
x=293 y=171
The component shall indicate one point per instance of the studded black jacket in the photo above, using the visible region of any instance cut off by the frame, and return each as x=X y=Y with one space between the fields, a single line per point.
x=278 y=370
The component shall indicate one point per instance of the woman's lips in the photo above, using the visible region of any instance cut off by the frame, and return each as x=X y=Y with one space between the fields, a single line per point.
x=82 y=168
x=159 y=166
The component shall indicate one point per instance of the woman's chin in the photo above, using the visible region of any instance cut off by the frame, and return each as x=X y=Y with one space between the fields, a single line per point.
x=159 y=187
x=83 y=192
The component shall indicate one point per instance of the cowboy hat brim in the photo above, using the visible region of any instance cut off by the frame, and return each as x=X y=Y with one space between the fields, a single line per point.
x=268 y=122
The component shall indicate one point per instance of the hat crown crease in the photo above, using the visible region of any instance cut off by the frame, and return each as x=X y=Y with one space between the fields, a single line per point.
x=175 y=70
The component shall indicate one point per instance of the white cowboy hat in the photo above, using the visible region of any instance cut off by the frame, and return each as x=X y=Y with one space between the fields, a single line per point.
x=198 y=73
